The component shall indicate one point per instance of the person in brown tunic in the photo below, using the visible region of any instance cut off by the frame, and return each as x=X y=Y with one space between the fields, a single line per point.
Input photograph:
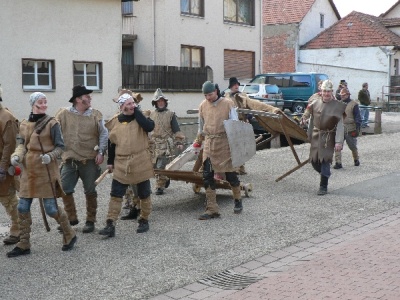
x=40 y=145
x=166 y=136
x=352 y=127
x=129 y=160
x=8 y=183
x=326 y=132
x=85 y=145
x=216 y=152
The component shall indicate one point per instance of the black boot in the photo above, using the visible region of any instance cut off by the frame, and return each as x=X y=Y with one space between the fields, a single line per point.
x=132 y=215
x=159 y=191
x=356 y=162
x=338 y=166
x=109 y=230
x=89 y=227
x=70 y=245
x=18 y=251
x=143 y=226
x=238 y=206
x=167 y=183
x=323 y=186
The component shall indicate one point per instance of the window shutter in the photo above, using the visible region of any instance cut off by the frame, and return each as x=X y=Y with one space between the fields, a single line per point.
x=239 y=64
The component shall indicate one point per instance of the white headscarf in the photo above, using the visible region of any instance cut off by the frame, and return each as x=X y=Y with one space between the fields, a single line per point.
x=35 y=97
x=122 y=99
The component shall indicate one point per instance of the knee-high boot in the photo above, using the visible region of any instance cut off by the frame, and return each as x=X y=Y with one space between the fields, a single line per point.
x=145 y=210
x=356 y=157
x=10 y=204
x=237 y=196
x=23 y=247
x=91 y=210
x=114 y=209
x=70 y=209
x=323 y=186
x=212 y=209
x=69 y=235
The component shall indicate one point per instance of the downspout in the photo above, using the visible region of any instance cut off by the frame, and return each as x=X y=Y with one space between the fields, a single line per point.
x=154 y=31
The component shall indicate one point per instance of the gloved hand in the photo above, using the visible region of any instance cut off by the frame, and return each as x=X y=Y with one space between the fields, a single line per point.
x=3 y=174
x=15 y=161
x=46 y=159
x=196 y=147
x=354 y=133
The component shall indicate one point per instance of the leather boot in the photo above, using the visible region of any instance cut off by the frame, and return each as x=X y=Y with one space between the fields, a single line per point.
x=238 y=199
x=11 y=209
x=24 y=246
x=143 y=226
x=356 y=157
x=323 y=186
x=91 y=209
x=145 y=208
x=70 y=209
x=132 y=214
x=69 y=235
x=212 y=206
x=109 y=230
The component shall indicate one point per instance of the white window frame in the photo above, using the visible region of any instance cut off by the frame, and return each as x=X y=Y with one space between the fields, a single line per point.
x=85 y=75
x=36 y=86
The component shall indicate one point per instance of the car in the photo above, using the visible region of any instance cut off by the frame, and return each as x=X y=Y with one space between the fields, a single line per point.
x=296 y=87
x=266 y=91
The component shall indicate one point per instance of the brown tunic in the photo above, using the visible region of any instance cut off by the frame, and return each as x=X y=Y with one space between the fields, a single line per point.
x=8 y=134
x=132 y=162
x=35 y=181
x=349 y=122
x=81 y=133
x=216 y=146
x=325 y=117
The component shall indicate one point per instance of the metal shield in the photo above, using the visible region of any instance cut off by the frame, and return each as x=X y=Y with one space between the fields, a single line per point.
x=241 y=141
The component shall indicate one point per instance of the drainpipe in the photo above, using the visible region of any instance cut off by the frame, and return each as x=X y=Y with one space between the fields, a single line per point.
x=154 y=31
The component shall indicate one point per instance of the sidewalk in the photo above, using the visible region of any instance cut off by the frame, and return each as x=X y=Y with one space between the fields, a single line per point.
x=356 y=261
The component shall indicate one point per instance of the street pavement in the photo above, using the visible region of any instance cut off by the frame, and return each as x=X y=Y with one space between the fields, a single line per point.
x=339 y=246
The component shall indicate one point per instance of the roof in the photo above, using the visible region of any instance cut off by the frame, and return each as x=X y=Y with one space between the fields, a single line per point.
x=289 y=11
x=391 y=22
x=389 y=10
x=355 y=30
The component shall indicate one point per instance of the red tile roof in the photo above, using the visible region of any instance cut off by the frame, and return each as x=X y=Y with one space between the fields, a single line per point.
x=288 y=11
x=355 y=30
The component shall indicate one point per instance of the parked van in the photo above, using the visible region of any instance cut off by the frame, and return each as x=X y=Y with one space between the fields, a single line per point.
x=296 y=88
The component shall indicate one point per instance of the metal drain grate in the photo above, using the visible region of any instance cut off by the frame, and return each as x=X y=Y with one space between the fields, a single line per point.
x=230 y=280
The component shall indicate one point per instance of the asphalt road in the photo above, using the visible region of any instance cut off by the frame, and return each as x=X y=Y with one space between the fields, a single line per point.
x=179 y=249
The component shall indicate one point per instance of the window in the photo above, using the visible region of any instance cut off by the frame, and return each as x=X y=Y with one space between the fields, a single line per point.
x=239 y=11
x=192 y=56
x=240 y=64
x=88 y=74
x=280 y=81
x=38 y=74
x=396 y=66
x=192 y=7
x=321 y=21
x=127 y=8
x=301 y=80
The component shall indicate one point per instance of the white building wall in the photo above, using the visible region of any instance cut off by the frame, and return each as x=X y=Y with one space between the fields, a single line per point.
x=310 y=25
x=62 y=31
x=394 y=13
x=173 y=30
x=355 y=65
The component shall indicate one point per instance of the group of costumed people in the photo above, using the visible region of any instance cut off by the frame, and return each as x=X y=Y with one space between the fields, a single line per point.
x=79 y=136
